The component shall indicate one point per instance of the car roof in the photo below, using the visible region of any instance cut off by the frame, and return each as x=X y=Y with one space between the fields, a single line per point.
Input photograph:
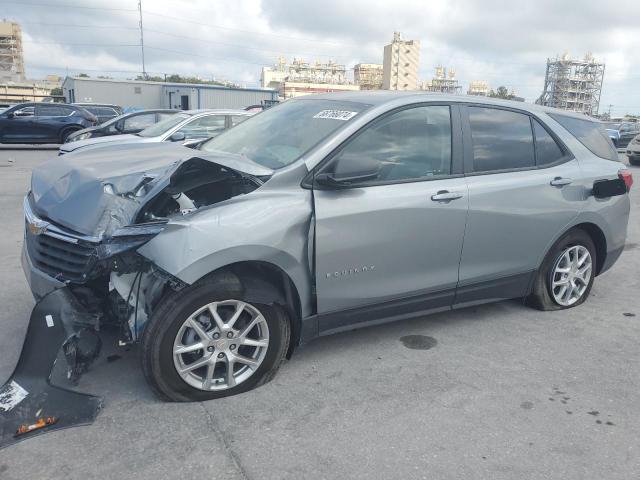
x=219 y=111
x=381 y=97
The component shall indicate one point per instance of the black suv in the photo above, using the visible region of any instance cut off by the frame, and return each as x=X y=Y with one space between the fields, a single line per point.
x=43 y=122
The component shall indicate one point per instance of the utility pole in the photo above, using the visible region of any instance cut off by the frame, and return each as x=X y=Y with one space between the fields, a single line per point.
x=144 y=70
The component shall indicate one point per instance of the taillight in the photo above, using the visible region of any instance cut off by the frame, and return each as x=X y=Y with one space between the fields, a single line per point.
x=626 y=177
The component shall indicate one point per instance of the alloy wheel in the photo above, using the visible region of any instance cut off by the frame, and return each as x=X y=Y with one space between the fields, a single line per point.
x=221 y=345
x=571 y=275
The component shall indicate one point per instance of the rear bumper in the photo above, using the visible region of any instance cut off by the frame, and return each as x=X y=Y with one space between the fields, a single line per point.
x=40 y=283
x=611 y=259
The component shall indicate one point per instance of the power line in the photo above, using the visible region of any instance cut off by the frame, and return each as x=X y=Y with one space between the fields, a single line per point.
x=252 y=32
x=62 y=5
x=198 y=39
x=67 y=25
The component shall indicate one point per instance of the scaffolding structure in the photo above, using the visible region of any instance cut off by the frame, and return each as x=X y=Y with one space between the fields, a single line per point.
x=572 y=84
x=443 y=82
x=479 y=88
x=368 y=76
x=11 y=55
x=330 y=72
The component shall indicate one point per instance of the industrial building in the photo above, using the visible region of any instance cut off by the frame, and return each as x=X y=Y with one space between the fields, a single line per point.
x=303 y=78
x=368 y=75
x=11 y=54
x=134 y=94
x=572 y=84
x=400 y=64
x=29 y=90
x=478 y=88
x=443 y=82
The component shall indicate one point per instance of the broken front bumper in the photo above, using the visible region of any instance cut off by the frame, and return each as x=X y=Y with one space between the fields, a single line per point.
x=29 y=403
x=40 y=283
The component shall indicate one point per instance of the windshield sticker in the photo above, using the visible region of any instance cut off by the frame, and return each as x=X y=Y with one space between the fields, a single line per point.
x=11 y=394
x=343 y=115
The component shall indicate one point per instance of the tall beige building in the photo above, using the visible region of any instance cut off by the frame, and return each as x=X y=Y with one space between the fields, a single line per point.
x=400 y=65
x=11 y=55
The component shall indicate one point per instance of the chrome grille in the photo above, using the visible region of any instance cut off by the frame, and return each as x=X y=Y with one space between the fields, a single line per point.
x=61 y=259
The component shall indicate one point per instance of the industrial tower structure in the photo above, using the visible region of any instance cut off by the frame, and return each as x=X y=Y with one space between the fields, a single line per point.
x=443 y=82
x=572 y=84
x=11 y=56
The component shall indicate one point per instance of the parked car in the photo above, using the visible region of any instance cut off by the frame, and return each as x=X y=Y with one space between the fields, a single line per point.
x=103 y=111
x=127 y=123
x=321 y=215
x=189 y=126
x=622 y=133
x=633 y=151
x=43 y=122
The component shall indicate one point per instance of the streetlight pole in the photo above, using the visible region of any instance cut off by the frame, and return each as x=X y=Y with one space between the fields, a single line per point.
x=144 y=70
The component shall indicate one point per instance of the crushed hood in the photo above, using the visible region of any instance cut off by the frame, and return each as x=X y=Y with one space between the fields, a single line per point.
x=98 y=191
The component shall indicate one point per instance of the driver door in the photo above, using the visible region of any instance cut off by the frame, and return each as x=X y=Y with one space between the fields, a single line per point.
x=19 y=127
x=389 y=247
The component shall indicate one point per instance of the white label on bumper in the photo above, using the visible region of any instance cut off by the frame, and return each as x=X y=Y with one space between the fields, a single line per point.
x=49 y=320
x=11 y=395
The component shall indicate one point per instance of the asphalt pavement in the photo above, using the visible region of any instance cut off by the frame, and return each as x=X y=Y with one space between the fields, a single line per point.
x=499 y=391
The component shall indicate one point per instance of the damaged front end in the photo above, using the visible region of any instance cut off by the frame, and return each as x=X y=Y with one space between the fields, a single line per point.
x=85 y=217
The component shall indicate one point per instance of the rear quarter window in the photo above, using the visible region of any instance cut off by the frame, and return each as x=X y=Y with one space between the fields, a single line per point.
x=591 y=134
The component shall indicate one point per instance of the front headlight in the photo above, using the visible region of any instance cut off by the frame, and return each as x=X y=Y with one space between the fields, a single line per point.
x=82 y=136
x=129 y=238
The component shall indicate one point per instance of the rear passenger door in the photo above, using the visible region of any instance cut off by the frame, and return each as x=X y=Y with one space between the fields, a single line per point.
x=524 y=188
x=49 y=120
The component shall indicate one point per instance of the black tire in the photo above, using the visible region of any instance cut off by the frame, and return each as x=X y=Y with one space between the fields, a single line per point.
x=66 y=132
x=633 y=160
x=157 y=340
x=541 y=296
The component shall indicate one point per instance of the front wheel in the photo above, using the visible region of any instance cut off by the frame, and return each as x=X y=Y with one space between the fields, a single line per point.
x=567 y=273
x=207 y=342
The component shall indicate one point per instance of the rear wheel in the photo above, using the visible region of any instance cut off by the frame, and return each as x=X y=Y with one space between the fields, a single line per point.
x=207 y=342
x=567 y=273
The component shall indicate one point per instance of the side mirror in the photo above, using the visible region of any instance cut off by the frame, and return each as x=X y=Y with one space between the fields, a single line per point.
x=119 y=126
x=349 y=172
x=10 y=115
x=178 y=137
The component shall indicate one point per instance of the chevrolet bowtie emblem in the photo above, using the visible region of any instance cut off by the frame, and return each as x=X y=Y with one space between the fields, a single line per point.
x=37 y=227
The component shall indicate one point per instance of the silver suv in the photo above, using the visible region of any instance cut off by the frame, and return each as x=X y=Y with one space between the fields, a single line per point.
x=320 y=215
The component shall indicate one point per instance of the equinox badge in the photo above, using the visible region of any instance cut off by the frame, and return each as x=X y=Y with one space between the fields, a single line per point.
x=351 y=271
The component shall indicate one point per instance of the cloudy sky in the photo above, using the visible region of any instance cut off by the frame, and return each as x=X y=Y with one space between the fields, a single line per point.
x=503 y=42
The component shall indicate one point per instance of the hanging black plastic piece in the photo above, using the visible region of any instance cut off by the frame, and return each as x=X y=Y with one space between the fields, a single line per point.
x=29 y=403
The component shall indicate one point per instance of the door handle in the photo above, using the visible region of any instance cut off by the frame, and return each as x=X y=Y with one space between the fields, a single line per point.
x=560 y=182
x=445 y=196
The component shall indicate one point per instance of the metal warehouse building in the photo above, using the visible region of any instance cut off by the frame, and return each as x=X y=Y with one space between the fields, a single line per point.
x=134 y=94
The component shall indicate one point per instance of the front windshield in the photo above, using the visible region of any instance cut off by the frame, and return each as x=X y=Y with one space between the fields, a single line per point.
x=280 y=135
x=163 y=125
x=613 y=126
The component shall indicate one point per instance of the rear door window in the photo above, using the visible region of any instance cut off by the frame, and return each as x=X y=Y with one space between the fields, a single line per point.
x=49 y=110
x=547 y=149
x=502 y=139
x=591 y=134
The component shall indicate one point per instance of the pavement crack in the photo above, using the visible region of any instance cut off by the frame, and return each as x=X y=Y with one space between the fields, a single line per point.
x=225 y=443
